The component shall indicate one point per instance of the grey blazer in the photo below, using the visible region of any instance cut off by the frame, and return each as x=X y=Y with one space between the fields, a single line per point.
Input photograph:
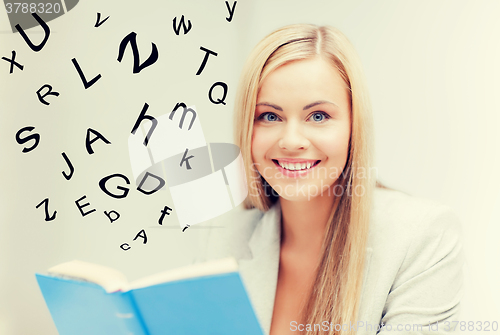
x=413 y=271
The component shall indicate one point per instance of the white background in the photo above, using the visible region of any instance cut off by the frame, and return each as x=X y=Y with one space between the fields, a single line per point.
x=433 y=72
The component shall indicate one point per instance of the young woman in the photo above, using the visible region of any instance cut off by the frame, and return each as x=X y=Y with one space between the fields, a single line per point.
x=321 y=249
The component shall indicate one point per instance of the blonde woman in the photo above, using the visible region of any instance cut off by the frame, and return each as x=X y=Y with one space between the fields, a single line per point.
x=321 y=249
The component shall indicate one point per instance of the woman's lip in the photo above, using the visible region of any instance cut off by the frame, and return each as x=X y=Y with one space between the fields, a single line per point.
x=295 y=160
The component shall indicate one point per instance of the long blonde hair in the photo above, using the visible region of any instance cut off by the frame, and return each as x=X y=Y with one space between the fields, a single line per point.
x=335 y=293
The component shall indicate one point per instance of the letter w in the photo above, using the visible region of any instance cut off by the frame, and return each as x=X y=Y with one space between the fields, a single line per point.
x=131 y=38
x=177 y=28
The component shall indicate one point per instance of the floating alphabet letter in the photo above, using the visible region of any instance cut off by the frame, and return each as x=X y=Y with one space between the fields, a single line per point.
x=161 y=183
x=86 y=83
x=49 y=92
x=71 y=168
x=84 y=205
x=131 y=38
x=125 y=246
x=98 y=23
x=46 y=30
x=184 y=112
x=164 y=211
x=142 y=234
x=181 y=22
x=109 y=215
x=231 y=11
x=13 y=62
x=186 y=159
x=141 y=117
x=218 y=101
x=102 y=185
x=205 y=59
x=35 y=137
x=47 y=217
x=98 y=136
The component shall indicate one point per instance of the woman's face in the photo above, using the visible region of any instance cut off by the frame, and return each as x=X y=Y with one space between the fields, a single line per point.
x=302 y=128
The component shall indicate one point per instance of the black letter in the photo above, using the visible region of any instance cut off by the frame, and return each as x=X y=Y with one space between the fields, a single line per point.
x=160 y=185
x=142 y=234
x=109 y=215
x=35 y=137
x=47 y=217
x=71 y=168
x=219 y=101
x=97 y=24
x=143 y=116
x=86 y=83
x=102 y=185
x=186 y=227
x=184 y=112
x=164 y=212
x=46 y=30
x=178 y=28
x=13 y=62
x=98 y=136
x=184 y=159
x=41 y=97
x=84 y=205
x=205 y=59
x=231 y=11
x=121 y=246
x=131 y=38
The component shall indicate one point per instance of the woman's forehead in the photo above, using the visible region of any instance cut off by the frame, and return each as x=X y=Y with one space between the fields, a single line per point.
x=304 y=81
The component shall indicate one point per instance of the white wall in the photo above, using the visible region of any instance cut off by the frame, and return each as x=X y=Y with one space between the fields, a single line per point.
x=432 y=69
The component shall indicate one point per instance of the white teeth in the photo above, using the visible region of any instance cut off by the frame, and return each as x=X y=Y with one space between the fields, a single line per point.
x=296 y=166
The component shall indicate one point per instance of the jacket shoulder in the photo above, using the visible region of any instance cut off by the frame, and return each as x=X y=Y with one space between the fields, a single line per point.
x=228 y=235
x=403 y=216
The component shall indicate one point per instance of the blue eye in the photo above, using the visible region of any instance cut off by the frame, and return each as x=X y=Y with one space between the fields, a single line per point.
x=269 y=117
x=319 y=116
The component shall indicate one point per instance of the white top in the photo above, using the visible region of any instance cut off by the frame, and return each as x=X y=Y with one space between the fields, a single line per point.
x=413 y=270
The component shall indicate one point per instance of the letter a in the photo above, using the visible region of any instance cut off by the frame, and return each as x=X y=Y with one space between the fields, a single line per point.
x=142 y=234
x=88 y=142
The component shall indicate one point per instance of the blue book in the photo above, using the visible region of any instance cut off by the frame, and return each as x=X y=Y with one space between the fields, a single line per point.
x=206 y=298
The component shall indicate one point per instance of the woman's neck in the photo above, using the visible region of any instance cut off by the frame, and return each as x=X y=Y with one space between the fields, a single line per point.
x=304 y=223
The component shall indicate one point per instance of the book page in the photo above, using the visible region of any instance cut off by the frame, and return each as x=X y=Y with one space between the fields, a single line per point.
x=110 y=279
x=225 y=265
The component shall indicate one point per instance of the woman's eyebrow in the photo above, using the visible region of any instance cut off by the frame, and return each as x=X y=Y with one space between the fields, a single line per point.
x=319 y=103
x=270 y=105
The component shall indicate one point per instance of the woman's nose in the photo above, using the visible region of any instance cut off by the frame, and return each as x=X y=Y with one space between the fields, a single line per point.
x=293 y=138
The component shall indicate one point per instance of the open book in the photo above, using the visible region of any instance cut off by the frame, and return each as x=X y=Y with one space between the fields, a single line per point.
x=205 y=298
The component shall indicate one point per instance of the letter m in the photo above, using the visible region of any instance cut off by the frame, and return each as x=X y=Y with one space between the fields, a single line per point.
x=184 y=112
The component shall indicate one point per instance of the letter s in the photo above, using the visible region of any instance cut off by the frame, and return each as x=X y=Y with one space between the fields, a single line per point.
x=293 y=325
x=35 y=137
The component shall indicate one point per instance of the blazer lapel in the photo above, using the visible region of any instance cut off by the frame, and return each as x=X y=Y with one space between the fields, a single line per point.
x=260 y=272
